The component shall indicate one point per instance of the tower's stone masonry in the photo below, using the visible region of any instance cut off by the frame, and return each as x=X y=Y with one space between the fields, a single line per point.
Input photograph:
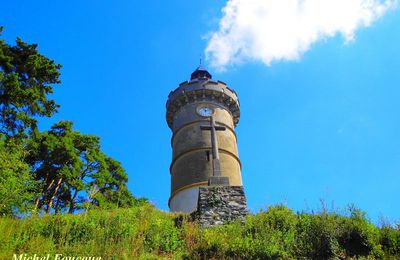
x=206 y=178
x=220 y=204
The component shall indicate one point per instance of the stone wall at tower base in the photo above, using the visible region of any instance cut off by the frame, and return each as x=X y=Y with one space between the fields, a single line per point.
x=220 y=204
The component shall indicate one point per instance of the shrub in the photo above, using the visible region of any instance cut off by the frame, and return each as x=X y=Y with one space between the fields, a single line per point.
x=358 y=236
x=317 y=236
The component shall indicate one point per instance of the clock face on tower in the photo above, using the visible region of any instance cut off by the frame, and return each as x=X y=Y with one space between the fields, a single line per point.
x=205 y=111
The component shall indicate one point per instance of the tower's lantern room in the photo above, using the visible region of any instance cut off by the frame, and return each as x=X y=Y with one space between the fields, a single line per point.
x=202 y=114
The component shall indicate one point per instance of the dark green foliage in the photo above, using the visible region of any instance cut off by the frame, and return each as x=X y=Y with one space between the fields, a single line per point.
x=26 y=79
x=390 y=239
x=145 y=232
x=359 y=237
x=74 y=173
x=16 y=182
x=318 y=234
x=60 y=170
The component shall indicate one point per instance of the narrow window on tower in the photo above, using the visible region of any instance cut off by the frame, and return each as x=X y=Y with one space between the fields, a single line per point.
x=208 y=155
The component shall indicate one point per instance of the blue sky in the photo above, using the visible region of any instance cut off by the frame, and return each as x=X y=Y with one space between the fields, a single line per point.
x=322 y=126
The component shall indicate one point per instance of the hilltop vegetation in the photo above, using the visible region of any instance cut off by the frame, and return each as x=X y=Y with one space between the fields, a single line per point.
x=145 y=232
x=59 y=170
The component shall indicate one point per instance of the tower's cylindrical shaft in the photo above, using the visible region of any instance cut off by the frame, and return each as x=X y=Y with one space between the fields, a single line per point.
x=195 y=105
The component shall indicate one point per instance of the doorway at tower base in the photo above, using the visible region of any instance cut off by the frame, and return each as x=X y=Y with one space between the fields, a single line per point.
x=220 y=204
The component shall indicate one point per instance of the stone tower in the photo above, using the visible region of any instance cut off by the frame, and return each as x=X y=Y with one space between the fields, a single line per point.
x=202 y=114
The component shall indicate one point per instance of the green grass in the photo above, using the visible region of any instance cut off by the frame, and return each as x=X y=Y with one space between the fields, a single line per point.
x=148 y=233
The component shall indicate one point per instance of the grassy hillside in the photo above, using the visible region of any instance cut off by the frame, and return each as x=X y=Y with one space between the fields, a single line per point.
x=149 y=233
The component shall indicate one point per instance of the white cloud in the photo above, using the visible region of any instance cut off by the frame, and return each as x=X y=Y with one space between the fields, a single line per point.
x=273 y=30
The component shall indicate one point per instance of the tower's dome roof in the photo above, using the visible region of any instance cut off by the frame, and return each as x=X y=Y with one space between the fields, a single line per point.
x=200 y=73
